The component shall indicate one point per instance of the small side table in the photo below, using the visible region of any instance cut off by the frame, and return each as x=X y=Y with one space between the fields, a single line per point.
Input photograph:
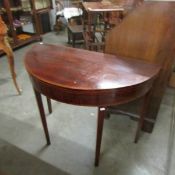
x=80 y=77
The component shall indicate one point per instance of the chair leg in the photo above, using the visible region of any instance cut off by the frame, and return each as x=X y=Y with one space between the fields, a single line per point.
x=100 y=121
x=142 y=115
x=49 y=105
x=7 y=49
x=42 y=115
x=13 y=74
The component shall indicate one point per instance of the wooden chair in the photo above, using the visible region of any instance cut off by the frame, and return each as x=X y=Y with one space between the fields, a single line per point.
x=4 y=45
x=75 y=30
x=147 y=33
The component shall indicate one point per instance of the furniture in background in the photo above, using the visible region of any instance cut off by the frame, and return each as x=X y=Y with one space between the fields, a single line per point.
x=98 y=18
x=25 y=19
x=86 y=78
x=75 y=34
x=146 y=34
x=103 y=16
x=41 y=11
x=75 y=30
x=66 y=10
x=5 y=47
x=69 y=15
x=43 y=18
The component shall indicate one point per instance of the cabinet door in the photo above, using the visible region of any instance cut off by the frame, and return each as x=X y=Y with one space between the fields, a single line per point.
x=42 y=12
x=44 y=21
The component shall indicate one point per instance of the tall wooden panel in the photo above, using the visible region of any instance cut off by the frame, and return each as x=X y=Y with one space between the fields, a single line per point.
x=148 y=34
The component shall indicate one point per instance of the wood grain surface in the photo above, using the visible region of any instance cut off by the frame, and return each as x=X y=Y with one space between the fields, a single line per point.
x=87 y=78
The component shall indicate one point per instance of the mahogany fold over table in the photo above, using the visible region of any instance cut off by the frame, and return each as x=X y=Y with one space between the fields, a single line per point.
x=86 y=78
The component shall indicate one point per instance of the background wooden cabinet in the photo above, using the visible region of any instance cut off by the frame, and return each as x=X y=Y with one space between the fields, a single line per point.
x=25 y=19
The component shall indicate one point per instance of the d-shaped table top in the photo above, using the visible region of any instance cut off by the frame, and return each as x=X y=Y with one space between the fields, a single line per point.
x=87 y=78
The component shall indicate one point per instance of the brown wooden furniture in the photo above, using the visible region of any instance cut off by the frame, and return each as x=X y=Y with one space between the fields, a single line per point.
x=75 y=33
x=41 y=10
x=75 y=30
x=92 y=30
x=109 y=14
x=97 y=7
x=81 y=77
x=24 y=19
x=4 y=46
x=147 y=33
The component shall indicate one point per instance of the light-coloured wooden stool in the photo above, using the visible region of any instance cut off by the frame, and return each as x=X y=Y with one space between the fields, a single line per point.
x=5 y=46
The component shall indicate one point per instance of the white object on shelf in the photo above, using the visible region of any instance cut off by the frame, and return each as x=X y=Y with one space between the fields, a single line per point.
x=71 y=12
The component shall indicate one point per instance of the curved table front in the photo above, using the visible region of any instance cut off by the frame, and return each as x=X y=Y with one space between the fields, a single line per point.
x=87 y=78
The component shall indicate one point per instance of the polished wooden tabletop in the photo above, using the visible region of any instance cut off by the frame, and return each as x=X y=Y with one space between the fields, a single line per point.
x=87 y=78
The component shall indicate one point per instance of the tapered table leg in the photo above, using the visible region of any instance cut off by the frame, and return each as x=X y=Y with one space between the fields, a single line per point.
x=100 y=121
x=49 y=105
x=143 y=110
x=42 y=115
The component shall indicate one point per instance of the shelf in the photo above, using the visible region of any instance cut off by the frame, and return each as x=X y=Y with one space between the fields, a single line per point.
x=3 y=10
x=43 y=10
x=24 y=17
x=24 y=36
x=23 y=43
x=17 y=8
x=21 y=24
x=27 y=41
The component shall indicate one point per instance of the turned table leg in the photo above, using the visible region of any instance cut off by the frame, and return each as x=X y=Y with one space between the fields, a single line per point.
x=42 y=115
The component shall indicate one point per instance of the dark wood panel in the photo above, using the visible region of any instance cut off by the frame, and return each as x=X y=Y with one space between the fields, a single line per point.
x=147 y=34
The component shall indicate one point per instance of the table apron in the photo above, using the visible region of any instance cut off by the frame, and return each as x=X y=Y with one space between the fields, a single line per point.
x=81 y=97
